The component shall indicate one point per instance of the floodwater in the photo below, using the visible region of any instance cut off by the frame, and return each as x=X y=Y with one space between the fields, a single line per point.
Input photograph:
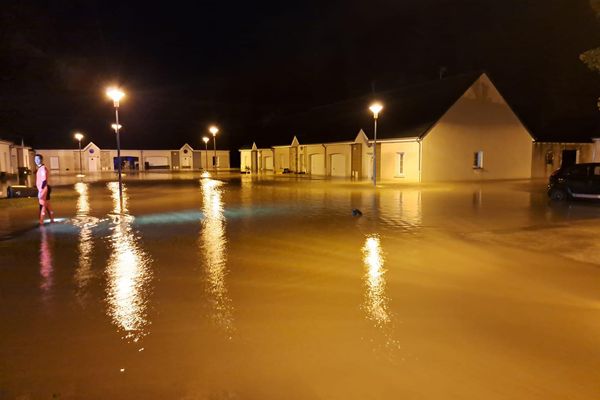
x=268 y=288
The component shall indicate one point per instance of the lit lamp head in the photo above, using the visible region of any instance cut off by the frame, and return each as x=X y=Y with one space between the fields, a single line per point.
x=78 y=136
x=376 y=109
x=205 y=139
x=214 y=130
x=116 y=127
x=115 y=94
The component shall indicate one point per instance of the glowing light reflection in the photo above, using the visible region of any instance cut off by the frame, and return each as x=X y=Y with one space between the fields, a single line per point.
x=213 y=246
x=376 y=301
x=46 y=264
x=128 y=272
x=85 y=223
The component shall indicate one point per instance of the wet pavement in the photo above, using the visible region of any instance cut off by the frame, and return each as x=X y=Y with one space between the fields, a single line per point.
x=268 y=287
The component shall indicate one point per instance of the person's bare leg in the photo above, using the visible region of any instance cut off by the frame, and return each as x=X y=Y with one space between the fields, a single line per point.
x=49 y=211
x=42 y=213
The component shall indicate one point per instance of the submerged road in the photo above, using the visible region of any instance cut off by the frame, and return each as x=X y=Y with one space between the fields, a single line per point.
x=267 y=288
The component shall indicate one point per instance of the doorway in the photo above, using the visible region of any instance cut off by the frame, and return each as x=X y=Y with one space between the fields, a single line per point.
x=92 y=164
x=569 y=157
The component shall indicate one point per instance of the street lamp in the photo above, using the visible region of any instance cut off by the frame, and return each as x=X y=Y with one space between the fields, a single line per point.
x=375 y=109
x=115 y=94
x=205 y=139
x=214 y=130
x=79 y=136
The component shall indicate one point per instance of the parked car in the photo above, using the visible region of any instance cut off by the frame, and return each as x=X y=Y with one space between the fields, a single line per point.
x=576 y=181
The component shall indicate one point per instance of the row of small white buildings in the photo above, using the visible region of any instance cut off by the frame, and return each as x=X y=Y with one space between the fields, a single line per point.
x=475 y=136
x=95 y=159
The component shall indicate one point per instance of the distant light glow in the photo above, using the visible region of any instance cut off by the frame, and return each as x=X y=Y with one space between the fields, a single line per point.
x=116 y=126
x=56 y=220
x=376 y=109
x=115 y=94
x=214 y=130
x=205 y=139
x=78 y=136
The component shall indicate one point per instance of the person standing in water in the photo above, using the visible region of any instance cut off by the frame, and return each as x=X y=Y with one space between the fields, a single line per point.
x=42 y=182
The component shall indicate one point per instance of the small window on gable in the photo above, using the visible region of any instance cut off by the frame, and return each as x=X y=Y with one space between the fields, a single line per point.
x=478 y=159
x=399 y=164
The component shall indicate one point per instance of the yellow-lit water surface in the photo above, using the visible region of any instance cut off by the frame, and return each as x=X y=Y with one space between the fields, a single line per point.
x=128 y=271
x=228 y=287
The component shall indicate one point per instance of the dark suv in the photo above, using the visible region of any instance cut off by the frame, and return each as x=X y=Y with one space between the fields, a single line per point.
x=576 y=181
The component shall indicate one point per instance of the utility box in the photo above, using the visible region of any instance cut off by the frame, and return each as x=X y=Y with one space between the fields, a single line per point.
x=18 y=191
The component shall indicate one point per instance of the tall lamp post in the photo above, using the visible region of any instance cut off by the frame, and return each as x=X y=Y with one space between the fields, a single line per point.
x=375 y=109
x=205 y=140
x=79 y=136
x=214 y=130
x=116 y=95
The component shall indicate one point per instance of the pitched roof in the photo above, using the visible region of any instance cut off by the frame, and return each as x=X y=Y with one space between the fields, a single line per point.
x=408 y=112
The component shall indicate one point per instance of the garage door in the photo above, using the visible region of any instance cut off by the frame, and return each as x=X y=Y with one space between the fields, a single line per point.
x=54 y=163
x=338 y=165
x=269 y=163
x=157 y=161
x=317 y=164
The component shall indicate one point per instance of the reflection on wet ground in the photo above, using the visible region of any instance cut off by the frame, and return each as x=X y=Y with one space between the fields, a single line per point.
x=213 y=243
x=376 y=300
x=268 y=287
x=128 y=270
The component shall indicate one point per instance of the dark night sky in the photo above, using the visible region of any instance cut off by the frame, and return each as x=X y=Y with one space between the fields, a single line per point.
x=243 y=64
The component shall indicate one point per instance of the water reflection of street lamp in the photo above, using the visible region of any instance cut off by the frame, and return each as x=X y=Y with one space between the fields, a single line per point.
x=205 y=140
x=375 y=109
x=116 y=95
x=79 y=136
x=214 y=130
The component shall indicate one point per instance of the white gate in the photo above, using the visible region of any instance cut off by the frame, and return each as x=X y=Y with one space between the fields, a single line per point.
x=317 y=164
x=269 y=163
x=338 y=165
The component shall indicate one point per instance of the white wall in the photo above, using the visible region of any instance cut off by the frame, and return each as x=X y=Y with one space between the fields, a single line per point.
x=66 y=159
x=389 y=161
x=5 y=157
